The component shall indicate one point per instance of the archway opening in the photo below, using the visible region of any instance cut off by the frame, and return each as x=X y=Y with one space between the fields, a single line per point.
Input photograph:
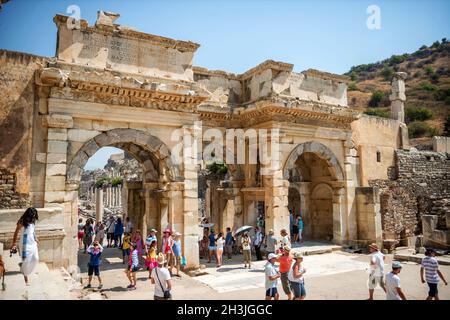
x=312 y=171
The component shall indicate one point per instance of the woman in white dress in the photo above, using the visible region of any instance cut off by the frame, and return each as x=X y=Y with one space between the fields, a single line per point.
x=28 y=242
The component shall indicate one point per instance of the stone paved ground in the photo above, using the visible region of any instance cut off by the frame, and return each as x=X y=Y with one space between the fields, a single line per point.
x=336 y=275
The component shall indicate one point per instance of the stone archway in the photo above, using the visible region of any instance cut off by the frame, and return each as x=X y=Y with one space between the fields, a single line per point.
x=313 y=170
x=143 y=144
x=160 y=195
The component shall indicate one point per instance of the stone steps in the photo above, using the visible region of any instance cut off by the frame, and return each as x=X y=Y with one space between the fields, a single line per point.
x=45 y=284
x=417 y=258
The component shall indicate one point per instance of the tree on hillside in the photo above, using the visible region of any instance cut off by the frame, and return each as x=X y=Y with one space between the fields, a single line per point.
x=447 y=127
x=387 y=73
x=378 y=98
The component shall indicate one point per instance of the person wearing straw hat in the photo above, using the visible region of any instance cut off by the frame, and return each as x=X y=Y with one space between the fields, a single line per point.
x=295 y=277
x=166 y=248
x=393 y=289
x=161 y=279
x=272 y=276
x=376 y=270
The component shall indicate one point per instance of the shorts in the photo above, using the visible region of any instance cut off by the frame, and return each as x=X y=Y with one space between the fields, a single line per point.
x=212 y=248
x=177 y=260
x=433 y=289
x=285 y=282
x=294 y=229
x=126 y=252
x=80 y=234
x=374 y=280
x=134 y=269
x=298 y=288
x=93 y=270
x=110 y=236
x=271 y=292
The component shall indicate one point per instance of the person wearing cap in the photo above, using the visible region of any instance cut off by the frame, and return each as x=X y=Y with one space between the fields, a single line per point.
x=95 y=252
x=162 y=280
x=295 y=277
x=270 y=242
x=376 y=270
x=166 y=248
x=285 y=261
x=272 y=276
x=393 y=289
x=151 y=237
x=176 y=248
x=431 y=267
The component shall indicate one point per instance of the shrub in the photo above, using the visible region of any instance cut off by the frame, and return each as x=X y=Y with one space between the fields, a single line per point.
x=217 y=168
x=387 y=73
x=418 y=129
x=442 y=94
x=418 y=114
x=353 y=76
x=447 y=127
x=383 y=113
x=429 y=71
x=435 y=44
x=116 y=181
x=425 y=85
x=352 y=87
x=423 y=47
x=376 y=98
x=101 y=182
x=435 y=78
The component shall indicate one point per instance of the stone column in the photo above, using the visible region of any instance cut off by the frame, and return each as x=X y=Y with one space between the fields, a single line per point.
x=398 y=97
x=190 y=196
x=339 y=216
x=99 y=204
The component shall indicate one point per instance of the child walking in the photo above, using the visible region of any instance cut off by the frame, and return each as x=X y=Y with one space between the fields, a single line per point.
x=133 y=266
x=126 y=247
x=95 y=252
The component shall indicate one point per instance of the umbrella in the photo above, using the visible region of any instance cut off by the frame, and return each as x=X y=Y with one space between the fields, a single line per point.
x=206 y=225
x=242 y=230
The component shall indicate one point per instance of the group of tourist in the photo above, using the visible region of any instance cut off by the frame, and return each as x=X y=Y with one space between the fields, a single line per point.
x=391 y=282
x=137 y=252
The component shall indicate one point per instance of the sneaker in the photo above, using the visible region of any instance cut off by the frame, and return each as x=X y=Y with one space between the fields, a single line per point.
x=133 y=288
x=129 y=286
x=100 y=286
x=88 y=286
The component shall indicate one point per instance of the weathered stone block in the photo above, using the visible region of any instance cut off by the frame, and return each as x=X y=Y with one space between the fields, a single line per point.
x=57 y=134
x=55 y=183
x=55 y=196
x=54 y=169
x=81 y=135
x=56 y=157
x=58 y=121
x=57 y=147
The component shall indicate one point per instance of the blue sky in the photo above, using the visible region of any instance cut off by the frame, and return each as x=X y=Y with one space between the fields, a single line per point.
x=236 y=35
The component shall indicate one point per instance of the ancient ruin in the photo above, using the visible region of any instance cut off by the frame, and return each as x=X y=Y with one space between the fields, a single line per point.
x=353 y=177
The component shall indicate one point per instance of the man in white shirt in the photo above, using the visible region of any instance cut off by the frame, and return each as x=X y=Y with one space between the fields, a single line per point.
x=161 y=279
x=272 y=276
x=257 y=243
x=376 y=270
x=128 y=225
x=393 y=289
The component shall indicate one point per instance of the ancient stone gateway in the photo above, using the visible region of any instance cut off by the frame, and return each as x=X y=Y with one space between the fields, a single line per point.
x=109 y=85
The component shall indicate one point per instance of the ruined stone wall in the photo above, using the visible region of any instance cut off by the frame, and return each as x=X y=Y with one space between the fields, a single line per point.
x=9 y=197
x=420 y=185
x=17 y=106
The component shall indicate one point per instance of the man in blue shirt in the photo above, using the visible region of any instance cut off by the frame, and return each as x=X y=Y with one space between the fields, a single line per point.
x=229 y=243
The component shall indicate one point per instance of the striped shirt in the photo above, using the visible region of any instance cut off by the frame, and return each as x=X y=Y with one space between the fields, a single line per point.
x=430 y=265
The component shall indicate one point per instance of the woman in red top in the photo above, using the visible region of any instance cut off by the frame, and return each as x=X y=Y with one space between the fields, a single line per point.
x=285 y=264
x=167 y=243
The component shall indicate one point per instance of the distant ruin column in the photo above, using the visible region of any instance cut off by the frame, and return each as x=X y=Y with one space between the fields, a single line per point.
x=99 y=204
x=398 y=96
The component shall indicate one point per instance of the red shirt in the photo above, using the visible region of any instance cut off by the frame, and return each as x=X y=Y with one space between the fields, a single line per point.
x=285 y=263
